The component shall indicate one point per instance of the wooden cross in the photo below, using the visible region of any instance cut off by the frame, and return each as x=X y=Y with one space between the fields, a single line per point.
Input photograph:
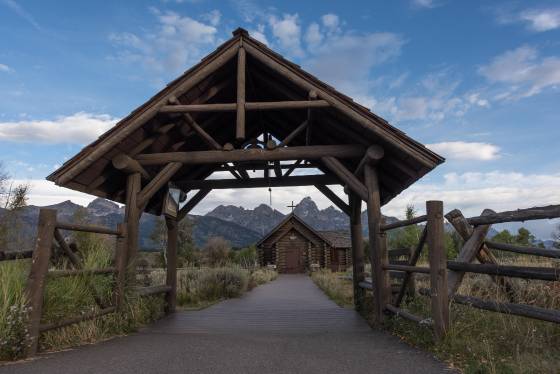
x=291 y=206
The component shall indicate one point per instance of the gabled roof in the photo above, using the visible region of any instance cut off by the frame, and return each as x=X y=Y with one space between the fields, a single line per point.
x=270 y=77
x=337 y=238
x=293 y=217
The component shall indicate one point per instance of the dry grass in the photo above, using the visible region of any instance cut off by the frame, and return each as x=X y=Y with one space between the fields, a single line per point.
x=65 y=298
x=199 y=287
x=479 y=341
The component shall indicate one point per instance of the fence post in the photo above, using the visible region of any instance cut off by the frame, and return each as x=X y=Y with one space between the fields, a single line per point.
x=120 y=264
x=35 y=287
x=438 y=268
x=171 y=275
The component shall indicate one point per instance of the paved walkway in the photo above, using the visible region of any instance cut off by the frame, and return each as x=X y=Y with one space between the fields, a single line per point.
x=286 y=326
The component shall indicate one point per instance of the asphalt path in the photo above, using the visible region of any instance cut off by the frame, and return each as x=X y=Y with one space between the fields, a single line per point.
x=286 y=326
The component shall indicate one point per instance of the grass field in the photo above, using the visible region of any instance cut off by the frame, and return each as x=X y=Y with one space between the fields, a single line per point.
x=479 y=341
x=71 y=296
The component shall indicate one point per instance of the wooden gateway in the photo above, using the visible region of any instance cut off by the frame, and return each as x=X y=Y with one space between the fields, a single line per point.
x=295 y=247
x=246 y=113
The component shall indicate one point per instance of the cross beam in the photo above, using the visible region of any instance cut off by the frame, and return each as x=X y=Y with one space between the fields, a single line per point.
x=232 y=107
x=300 y=180
x=278 y=154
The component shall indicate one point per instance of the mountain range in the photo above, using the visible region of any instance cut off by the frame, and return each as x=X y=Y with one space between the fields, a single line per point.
x=240 y=226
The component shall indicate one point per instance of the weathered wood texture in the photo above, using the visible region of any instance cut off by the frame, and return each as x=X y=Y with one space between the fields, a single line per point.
x=438 y=268
x=329 y=194
x=532 y=251
x=254 y=154
x=8 y=256
x=525 y=272
x=86 y=228
x=467 y=254
x=520 y=215
x=409 y=276
x=35 y=286
x=378 y=249
x=403 y=223
x=298 y=180
x=484 y=255
x=171 y=271
x=231 y=107
x=529 y=311
x=240 y=107
x=346 y=176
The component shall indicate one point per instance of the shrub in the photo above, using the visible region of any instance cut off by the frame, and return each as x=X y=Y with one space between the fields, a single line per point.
x=13 y=333
x=262 y=276
x=217 y=251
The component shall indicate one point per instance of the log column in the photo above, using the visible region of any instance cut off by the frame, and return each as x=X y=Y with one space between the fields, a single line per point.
x=378 y=249
x=171 y=275
x=132 y=216
x=357 y=250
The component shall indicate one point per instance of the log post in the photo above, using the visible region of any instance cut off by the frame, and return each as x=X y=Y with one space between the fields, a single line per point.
x=378 y=249
x=438 y=268
x=171 y=274
x=132 y=217
x=357 y=250
x=35 y=287
x=120 y=264
x=240 y=120
x=468 y=253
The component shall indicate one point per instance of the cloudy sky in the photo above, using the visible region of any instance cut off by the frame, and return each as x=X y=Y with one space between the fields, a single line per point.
x=478 y=82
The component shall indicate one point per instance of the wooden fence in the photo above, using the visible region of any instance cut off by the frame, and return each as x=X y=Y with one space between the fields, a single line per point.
x=446 y=276
x=49 y=231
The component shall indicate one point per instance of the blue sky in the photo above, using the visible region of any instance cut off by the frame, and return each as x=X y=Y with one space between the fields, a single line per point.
x=477 y=82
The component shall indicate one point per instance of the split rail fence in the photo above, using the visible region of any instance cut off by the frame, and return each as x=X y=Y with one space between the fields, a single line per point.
x=49 y=232
x=446 y=276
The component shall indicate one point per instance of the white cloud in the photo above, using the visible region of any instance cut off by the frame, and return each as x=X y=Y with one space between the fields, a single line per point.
x=459 y=150
x=5 y=69
x=259 y=34
x=213 y=17
x=313 y=35
x=330 y=21
x=425 y=3
x=21 y=12
x=43 y=193
x=473 y=192
x=176 y=43
x=78 y=128
x=541 y=19
x=331 y=59
x=536 y=19
x=287 y=31
x=523 y=72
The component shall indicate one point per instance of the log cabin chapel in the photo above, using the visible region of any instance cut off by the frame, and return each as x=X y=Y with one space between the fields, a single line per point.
x=295 y=247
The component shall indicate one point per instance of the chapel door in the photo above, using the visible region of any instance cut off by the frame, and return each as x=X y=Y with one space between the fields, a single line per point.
x=294 y=261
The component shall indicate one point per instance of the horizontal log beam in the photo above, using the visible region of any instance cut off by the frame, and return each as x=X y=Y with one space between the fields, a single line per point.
x=70 y=321
x=406 y=222
x=295 y=165
x=15 y=255
x=84 y=272
x=237 y=155
x=232 y=107
x=129 y=165
x=520 y=215
x=407 y=315
x=523 y=310
x=87 y=228
x=299 y=180
x=533 y=251
x=153 y=290
x=407 y=268
x=525 y=272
